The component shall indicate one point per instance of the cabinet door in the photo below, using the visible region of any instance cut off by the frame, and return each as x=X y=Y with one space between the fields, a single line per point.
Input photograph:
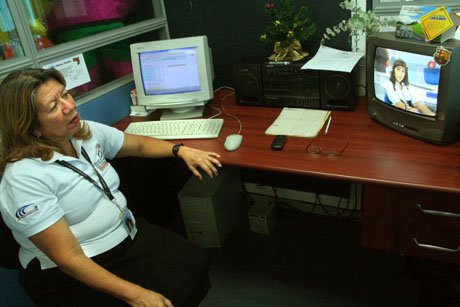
x=40 y=33
x=10 y=44
x=413 y=222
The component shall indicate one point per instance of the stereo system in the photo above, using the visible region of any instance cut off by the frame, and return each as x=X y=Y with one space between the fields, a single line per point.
x=284 y=84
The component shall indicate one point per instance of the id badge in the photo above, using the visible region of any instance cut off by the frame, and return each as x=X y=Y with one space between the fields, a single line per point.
x=128 y=222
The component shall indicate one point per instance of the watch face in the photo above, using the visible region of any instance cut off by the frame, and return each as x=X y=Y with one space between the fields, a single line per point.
x=175 y=149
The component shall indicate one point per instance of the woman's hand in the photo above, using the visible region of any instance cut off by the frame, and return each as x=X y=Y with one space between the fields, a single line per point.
x=150 y=298
x=195 y=158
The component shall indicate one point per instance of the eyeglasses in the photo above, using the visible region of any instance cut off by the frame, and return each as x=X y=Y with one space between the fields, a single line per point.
x=332 y=151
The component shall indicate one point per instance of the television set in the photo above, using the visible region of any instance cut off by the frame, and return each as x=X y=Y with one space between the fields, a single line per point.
x=413 y=86
x=174 y=75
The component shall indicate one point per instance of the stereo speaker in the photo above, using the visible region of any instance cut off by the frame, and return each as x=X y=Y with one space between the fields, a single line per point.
x=337 y=92
x=248 y=84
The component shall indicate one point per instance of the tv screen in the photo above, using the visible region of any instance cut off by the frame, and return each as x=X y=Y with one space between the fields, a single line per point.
x=406 y=80
x=412 y=86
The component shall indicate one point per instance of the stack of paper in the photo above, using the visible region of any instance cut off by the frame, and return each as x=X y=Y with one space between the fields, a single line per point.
x=299 y=122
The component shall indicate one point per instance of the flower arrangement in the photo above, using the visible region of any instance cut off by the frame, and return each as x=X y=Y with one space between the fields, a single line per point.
x=360 y=22
x=287 y=30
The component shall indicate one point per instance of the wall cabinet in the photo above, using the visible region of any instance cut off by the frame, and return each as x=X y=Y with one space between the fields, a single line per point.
x=34 y=33
x=412 y=222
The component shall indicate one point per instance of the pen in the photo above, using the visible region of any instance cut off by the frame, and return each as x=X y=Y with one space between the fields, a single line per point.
x=328 y=123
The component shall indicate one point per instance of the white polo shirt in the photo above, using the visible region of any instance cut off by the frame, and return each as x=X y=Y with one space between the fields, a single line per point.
x=35 y=194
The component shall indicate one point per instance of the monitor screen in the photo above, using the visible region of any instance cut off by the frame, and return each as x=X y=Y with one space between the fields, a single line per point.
x=406 y=80
x=170 y=71
x=173 y=75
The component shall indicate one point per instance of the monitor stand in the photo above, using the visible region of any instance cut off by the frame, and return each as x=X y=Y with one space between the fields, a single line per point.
x=140 y=111
x=182 y=113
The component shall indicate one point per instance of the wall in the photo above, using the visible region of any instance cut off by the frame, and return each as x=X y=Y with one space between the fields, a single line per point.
x=110 y=108
x=234 y=27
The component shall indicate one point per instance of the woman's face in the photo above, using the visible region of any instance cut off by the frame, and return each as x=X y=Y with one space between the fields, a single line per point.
x=400 y=73
x=57 y=114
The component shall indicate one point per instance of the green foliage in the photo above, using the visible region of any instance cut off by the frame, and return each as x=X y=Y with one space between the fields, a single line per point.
x=360 y=22
x=285 y=26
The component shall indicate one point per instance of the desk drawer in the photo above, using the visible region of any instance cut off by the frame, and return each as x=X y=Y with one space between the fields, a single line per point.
x=412 y=222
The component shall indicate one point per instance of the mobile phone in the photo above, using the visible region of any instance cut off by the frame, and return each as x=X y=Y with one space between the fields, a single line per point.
x=278 y=142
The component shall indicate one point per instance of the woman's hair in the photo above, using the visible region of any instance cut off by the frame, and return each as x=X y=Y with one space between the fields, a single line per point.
x=400 y=62
x=19 y=116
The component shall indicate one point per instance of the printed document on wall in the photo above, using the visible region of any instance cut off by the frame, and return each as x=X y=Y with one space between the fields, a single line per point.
x=74 y=70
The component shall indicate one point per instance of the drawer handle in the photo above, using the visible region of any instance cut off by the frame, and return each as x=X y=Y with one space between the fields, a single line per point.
x=439 y=213
x=436 y=248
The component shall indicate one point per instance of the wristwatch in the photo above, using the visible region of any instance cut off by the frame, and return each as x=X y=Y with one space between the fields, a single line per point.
x=175 y=149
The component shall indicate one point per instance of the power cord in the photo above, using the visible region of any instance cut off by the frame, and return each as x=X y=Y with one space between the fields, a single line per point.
x=223 y=107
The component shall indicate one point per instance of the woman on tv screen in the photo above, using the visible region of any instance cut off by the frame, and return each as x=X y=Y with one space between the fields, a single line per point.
x=398 y=92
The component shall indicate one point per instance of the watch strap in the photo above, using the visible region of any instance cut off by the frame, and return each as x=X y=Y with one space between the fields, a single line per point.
x=175 y=149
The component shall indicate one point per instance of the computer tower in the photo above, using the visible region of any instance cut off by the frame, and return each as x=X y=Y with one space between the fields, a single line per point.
x=211 y=206
x=262 y=217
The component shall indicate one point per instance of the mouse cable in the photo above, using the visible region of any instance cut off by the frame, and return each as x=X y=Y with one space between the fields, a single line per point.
x=215 y=108
x=223 y=108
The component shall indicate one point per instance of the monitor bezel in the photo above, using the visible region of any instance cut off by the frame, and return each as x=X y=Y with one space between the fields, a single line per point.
x=175 y=100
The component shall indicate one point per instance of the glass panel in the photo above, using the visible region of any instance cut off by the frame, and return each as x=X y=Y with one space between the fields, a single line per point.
x=58 y=21
x=110 y=62
x=10 y=45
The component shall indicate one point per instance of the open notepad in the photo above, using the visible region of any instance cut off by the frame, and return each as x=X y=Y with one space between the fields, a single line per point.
x=299 y=122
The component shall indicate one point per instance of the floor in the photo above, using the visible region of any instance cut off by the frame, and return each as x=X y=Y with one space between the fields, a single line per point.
x=313 y=260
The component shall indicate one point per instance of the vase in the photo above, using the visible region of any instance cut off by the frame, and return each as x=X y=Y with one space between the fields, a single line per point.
x=293 y=52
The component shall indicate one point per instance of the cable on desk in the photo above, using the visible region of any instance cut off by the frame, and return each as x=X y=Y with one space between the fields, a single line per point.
x=223 y=108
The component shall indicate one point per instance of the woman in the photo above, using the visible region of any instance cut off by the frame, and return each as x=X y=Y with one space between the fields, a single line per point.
x=80 y=245
x=398 y=91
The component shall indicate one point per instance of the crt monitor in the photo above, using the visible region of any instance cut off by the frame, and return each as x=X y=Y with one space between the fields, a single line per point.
x=175 y=75
x=412 y=86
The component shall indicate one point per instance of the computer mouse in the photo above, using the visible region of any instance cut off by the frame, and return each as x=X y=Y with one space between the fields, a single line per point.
x=233 y=141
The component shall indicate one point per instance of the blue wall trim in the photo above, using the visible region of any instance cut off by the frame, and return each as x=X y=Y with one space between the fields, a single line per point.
x=110 y=108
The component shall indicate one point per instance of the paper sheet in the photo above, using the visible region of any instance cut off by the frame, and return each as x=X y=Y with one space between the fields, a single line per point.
x=298 y=122
x=74 y=70
x=332 y=59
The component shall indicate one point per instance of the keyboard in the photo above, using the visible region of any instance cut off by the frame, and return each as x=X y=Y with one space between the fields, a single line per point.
x=206 y=128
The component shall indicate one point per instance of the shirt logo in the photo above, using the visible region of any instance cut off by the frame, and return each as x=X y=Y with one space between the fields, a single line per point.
x=101 y=163
x=25 y=211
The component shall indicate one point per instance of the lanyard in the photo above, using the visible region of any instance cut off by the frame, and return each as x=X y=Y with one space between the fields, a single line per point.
x=125 y=215
x=105 y=188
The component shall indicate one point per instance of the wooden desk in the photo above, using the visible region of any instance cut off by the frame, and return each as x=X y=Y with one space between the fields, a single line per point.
x=376 y=154
x=387 y=163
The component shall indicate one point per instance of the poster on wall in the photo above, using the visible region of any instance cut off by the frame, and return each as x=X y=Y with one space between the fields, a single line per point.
x=74 y=70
